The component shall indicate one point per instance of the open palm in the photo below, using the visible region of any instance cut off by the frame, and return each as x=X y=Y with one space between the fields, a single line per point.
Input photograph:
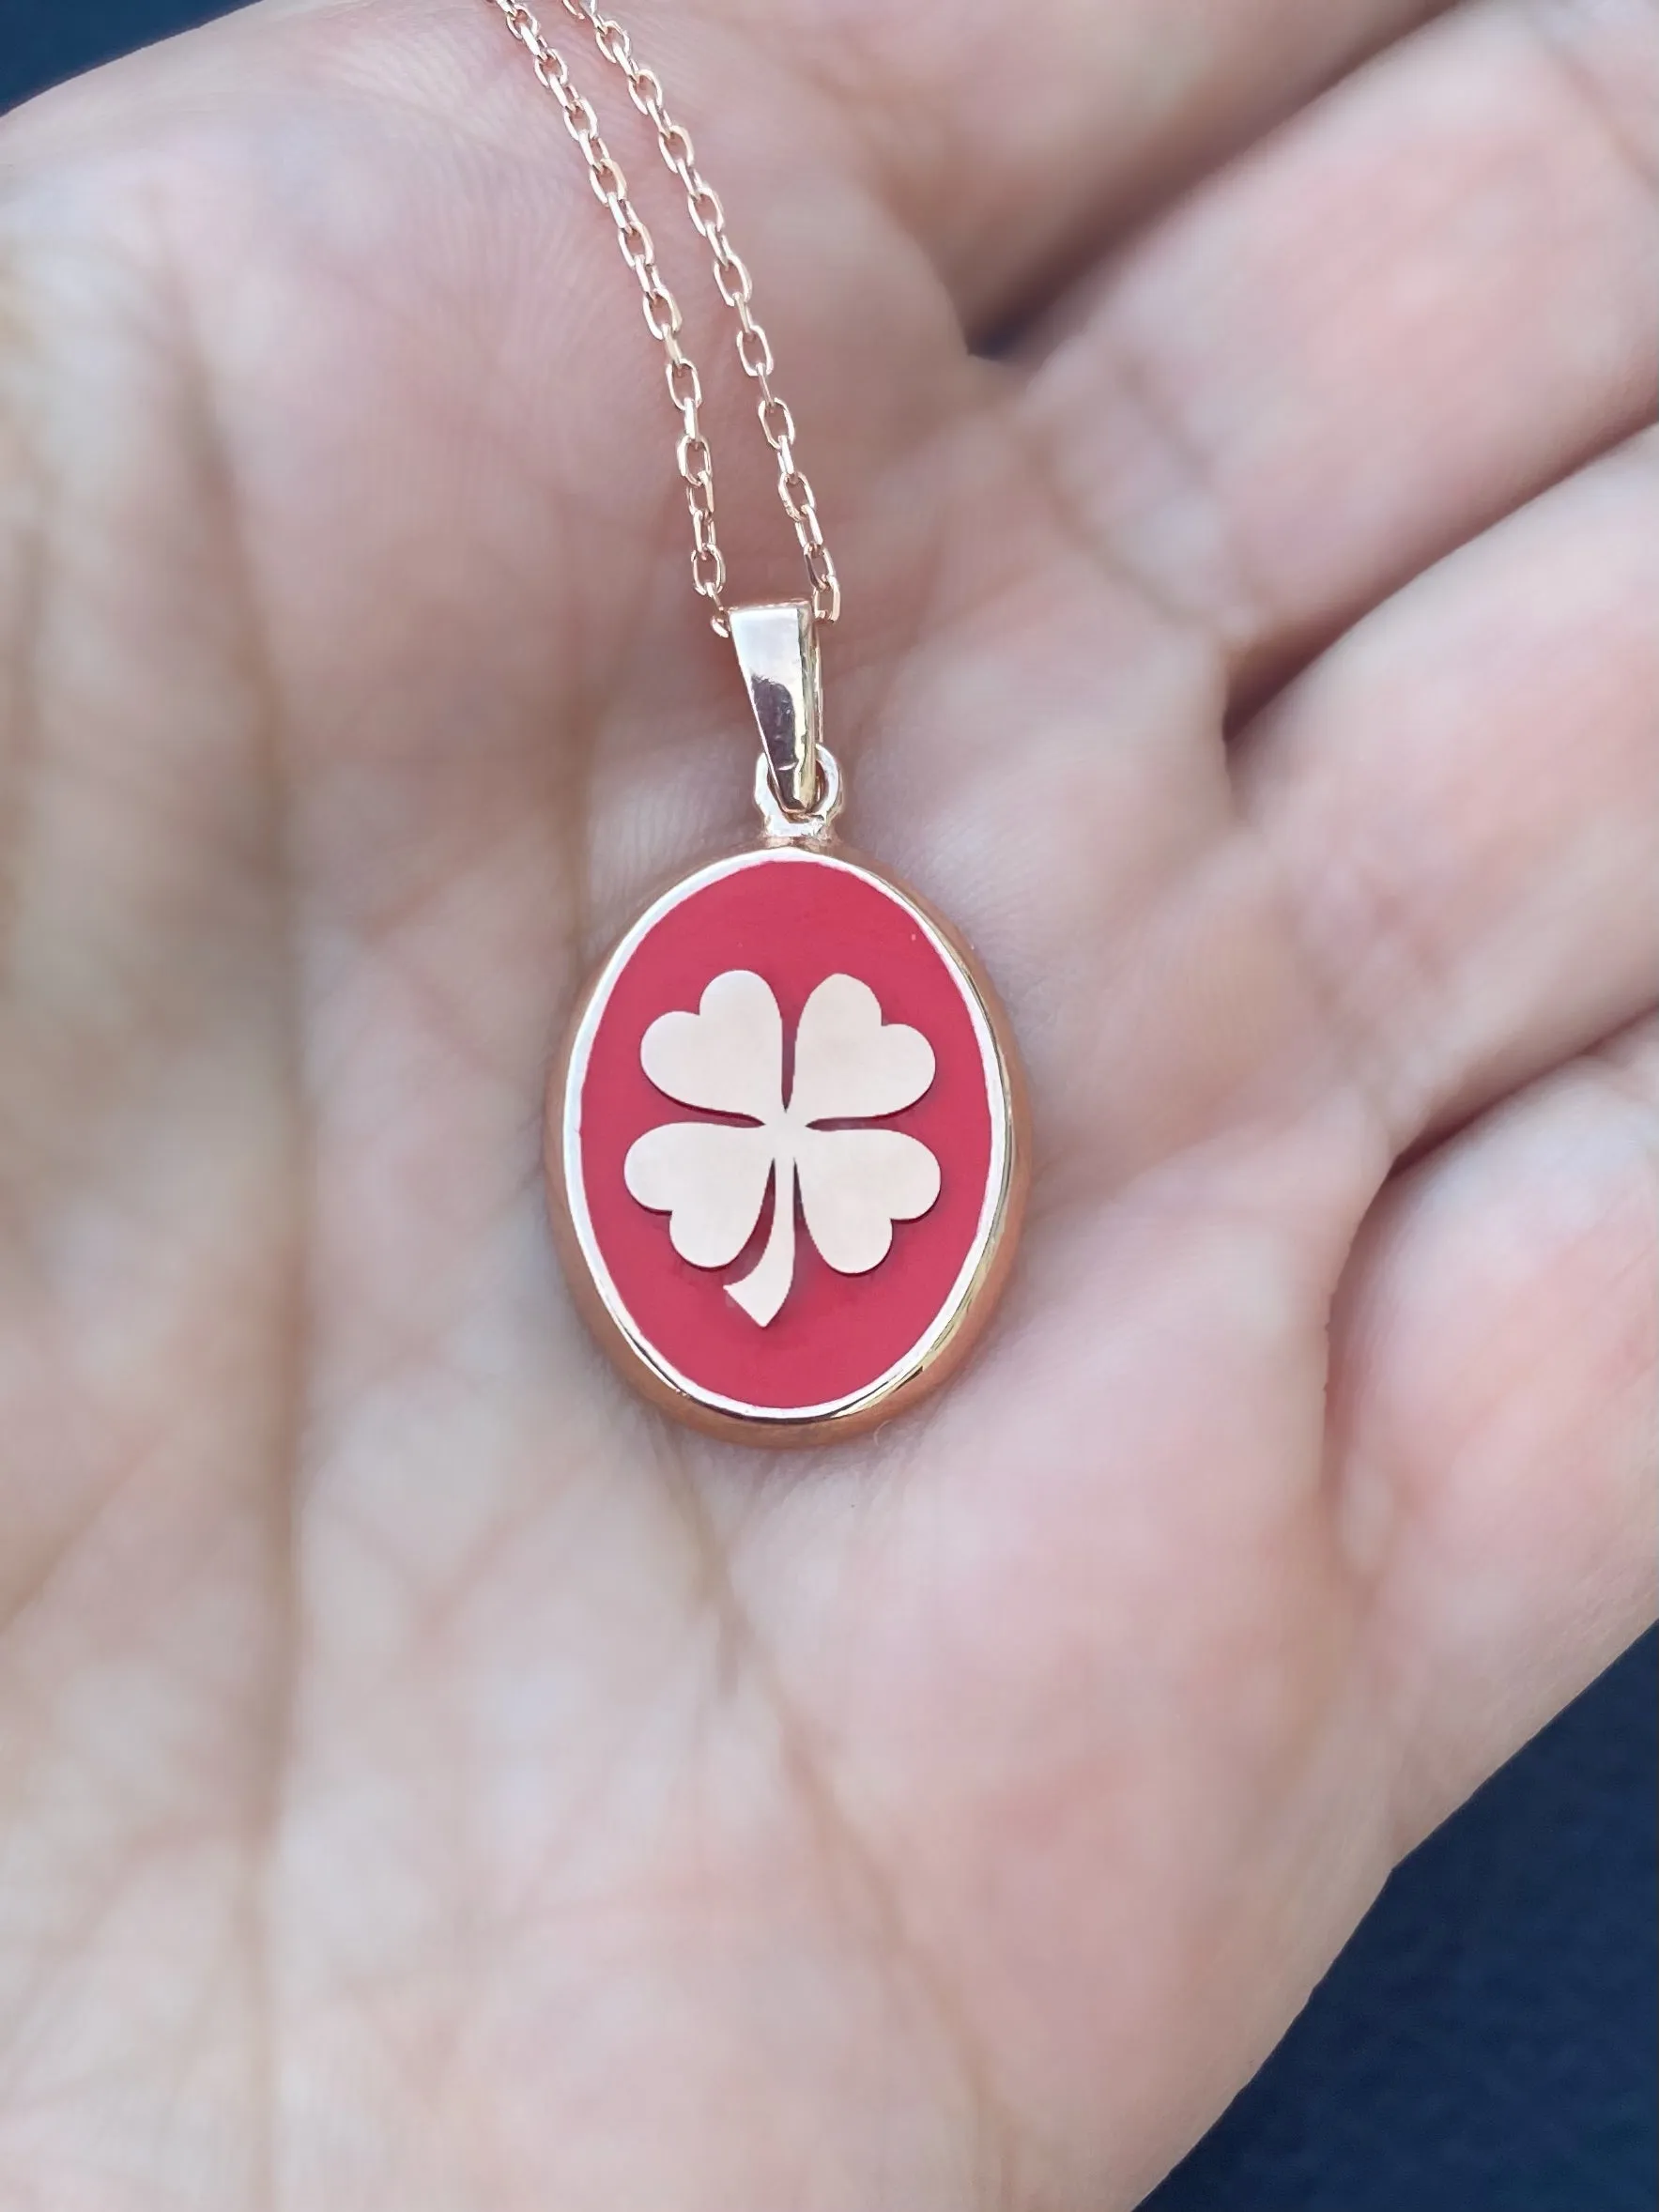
x=429 y=1779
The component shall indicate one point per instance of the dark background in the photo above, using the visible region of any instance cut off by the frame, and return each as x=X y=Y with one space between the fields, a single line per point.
x=1489 y=2040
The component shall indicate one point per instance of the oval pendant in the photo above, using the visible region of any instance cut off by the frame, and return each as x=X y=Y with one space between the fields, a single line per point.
x=786 y=1148
x=786 y=1144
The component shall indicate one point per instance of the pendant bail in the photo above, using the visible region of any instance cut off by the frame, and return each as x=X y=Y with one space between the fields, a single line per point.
x=777 y=649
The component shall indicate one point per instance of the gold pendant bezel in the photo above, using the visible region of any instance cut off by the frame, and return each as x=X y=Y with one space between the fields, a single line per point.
x=959 y=1323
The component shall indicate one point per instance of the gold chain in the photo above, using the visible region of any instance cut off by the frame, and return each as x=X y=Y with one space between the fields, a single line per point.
x=662 y=311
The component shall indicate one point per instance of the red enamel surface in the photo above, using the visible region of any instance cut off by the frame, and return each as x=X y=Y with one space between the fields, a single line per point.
x=792 y=919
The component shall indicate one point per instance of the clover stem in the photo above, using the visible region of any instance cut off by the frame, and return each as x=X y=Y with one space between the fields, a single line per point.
x=763 y=1291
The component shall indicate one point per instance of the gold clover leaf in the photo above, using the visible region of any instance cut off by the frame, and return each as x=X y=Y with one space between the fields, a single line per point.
x=710 y=1178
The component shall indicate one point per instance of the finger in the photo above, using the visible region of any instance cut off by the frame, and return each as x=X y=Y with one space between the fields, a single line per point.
x=1494 y=1422
x=1010 y=143
x=1462 y=802
x=1004 y=142
x=1000 y=146
x=1424 y=301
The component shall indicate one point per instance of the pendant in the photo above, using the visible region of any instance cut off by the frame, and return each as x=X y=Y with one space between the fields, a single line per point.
x=786 y=1144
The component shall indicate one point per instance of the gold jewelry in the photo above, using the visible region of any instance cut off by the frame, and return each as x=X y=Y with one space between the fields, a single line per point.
x=816 y=1244
x=662 y=311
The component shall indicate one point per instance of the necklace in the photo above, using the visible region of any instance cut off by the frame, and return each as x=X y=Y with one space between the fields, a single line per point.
x=786 y=1148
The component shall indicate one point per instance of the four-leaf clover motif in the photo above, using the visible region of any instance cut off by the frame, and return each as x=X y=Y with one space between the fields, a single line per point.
x=710 y=1178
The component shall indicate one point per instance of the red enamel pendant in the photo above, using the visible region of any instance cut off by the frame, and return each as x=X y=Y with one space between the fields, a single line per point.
x=785 y=1145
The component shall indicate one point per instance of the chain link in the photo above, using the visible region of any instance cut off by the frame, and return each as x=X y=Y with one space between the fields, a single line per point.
x=662 y=312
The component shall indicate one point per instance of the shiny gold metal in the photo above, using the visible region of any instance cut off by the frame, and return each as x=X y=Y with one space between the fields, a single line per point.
x=777 y=651
x=974 y=1295
x=662 y=311
x=780 y=827
x=798 y=793
x=717 y=1181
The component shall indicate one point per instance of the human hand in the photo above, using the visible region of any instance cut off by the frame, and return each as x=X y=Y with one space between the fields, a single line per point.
x=433 y=1781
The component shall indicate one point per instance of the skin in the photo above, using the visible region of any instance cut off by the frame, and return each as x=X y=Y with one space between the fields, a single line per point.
x=427 y=1777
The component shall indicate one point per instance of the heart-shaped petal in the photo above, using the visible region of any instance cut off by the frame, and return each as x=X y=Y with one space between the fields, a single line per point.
x=727 y=1056
x=855 y=1184
x=709 y=1178
x=851 y=1066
